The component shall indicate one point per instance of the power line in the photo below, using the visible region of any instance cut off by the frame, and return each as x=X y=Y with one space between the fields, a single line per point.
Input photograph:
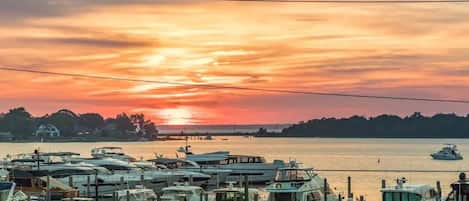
x=212 y=86
x=358 y=1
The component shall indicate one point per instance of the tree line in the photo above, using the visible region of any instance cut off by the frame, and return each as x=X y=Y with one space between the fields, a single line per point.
x=21 y=124
x=382 y=126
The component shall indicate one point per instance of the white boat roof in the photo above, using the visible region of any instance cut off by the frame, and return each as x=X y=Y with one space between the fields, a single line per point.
x=234 y=189
x=108 y=148
x=410 y=188
x=133 y=191
x=182 y=188
x=296 y=168
x=213 y=156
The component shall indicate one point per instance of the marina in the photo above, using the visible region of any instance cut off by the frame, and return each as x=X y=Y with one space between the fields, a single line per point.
x=342 y=161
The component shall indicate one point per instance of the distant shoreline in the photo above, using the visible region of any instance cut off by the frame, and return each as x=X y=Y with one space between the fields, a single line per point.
x=179 y=137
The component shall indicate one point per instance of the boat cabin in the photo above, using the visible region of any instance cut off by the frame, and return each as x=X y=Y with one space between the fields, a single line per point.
x=36 y=182
x=232 y=193
x=111 y=152
x=174 y=163
x=299 y=184
x=407 y=192
x=135 y=195
x=294 y=174
x=223 y=158
x=183 y=193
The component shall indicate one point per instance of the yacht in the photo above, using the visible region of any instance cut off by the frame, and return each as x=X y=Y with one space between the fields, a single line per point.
x=449 y=152
x=34 y=182
x=183 y=192
x=407 y=192
x=111 y=152
x=299 y=184
x=218 y=176
x=256 y=167
x=232 y=193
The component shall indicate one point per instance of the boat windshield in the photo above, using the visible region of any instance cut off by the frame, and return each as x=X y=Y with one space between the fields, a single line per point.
x=294 y=175
x=229 y=196
x=401 y=196
x=179 y=193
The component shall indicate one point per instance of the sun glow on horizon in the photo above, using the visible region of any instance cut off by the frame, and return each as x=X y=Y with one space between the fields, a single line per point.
x=176 y=116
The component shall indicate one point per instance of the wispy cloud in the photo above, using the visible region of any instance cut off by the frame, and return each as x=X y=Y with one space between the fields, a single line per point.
x=402 y=50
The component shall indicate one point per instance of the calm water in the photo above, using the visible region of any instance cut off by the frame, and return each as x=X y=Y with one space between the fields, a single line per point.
x=319 y=153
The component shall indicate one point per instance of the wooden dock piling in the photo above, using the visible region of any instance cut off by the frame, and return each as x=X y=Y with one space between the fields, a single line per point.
x=246 y=188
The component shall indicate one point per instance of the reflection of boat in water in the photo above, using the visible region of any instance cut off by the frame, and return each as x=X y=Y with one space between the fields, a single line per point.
x=408 y=192
x=299 y=184
x=449 y=152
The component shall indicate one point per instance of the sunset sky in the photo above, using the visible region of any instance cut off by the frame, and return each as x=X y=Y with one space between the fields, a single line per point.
x=415 y=50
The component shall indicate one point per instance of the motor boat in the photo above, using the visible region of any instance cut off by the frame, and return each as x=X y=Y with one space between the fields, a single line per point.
x=232 y=193
x=295 y=183
x=448 y=152
x=111 y=152
x=183 y=192
x=256 y=167
x=218 y=176
x=36 y=182
x=408 y=192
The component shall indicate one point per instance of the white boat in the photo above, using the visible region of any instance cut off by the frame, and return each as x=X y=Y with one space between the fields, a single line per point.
x=299 y=184
x=408 y=192
x=218 y=176
x=232 y=193
x=448 y=152
x=183 y=192
x=111 y=152
x=135 y=195
x=256 y=167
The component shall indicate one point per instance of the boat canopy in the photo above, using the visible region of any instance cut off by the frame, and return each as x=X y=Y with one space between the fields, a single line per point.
x=294 y=174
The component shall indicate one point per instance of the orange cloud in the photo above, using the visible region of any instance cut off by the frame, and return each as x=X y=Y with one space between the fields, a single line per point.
x=405 y=50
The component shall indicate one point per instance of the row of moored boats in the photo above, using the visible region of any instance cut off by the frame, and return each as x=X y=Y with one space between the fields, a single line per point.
x=111 y=174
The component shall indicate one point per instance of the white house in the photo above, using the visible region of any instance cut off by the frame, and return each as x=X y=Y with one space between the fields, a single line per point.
x=47 y=130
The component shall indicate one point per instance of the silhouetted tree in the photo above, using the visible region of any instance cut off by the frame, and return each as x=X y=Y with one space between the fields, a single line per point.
x=124 y=123
x=65 y=120
x=415 y=125
x=91 y=120
x=19 y=122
